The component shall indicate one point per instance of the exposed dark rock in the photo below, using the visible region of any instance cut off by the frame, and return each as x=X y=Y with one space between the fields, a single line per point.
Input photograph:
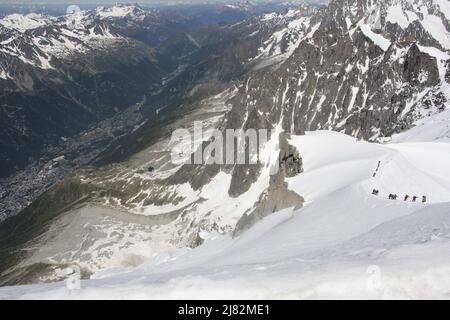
x=277 y=197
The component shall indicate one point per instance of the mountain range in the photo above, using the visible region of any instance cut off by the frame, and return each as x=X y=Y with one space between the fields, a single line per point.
x=345 y=89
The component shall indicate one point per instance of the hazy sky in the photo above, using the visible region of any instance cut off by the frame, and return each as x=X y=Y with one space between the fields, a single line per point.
x=115 y=1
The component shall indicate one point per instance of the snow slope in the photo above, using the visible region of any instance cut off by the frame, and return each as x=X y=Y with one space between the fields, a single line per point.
x=24 y=22
x=435 y=128
x=345 y=242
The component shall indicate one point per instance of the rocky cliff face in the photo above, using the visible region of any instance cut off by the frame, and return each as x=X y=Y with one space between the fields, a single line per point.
x=368 y=69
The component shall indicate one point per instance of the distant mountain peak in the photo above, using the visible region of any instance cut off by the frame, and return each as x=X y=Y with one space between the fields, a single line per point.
x=120 y=11
x=22 y=22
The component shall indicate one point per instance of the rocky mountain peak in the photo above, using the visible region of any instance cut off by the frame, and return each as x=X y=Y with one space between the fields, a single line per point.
x=26 y=22
x=121 y=11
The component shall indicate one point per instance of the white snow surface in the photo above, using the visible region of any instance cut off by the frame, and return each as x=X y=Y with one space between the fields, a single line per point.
x=117 y=11
x=344 y=243
x=24 y=22
x=395 y=15
x=297 y=28
x=436 y=28
x=376 y=38
x=431 y=129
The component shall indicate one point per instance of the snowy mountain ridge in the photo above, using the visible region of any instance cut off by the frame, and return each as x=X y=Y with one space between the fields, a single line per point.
x=432 y=16
x=282 y=43
x=36 y=39
x=351 y=45
x=22 y=22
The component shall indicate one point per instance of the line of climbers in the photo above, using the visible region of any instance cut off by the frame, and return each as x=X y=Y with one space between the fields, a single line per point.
x=376 y=192
x=377 y=169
